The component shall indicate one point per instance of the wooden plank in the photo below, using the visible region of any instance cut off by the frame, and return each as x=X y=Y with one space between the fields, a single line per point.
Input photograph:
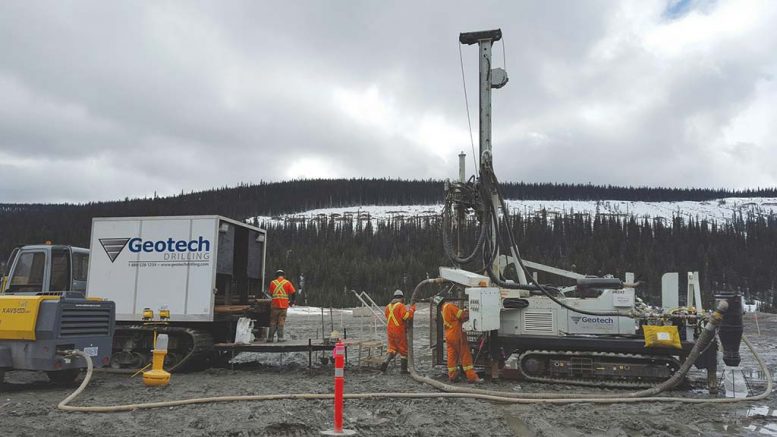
x=288 y=346
x=230 y=309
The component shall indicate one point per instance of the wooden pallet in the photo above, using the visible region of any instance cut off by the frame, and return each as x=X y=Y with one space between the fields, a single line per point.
x=369 y=353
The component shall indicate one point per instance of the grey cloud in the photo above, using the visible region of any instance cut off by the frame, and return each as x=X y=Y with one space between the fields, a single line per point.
x=170 y=96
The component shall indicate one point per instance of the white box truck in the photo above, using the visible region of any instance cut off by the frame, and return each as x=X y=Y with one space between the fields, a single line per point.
x=191 y=277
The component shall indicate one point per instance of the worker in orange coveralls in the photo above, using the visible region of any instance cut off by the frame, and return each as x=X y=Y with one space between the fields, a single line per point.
x=458 y=347
x=282 y=293
x=396 y=315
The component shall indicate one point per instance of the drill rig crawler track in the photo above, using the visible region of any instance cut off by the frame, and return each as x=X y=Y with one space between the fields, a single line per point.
x=187 y=347
x=596 y=369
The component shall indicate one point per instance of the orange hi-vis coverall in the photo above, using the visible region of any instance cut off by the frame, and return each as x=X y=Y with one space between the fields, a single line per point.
x=458 y=347
x=396 y=314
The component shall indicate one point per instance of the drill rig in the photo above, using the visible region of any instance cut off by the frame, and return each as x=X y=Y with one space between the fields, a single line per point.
x=593 y=331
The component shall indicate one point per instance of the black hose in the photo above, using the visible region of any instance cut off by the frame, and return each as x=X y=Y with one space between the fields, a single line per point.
x=646 y=395
x=448 y=243
x=705 y=339
x=487 y=174
x=491 y=246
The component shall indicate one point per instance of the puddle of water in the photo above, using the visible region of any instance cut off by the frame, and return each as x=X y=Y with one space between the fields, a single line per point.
x=761 y=411
x=768 y=429
x=518 y=426
x=755 y=375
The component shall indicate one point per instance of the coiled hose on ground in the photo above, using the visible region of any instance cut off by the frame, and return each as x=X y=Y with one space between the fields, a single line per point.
x=448 y=390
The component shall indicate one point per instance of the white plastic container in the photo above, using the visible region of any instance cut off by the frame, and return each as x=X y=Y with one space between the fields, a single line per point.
x=161 y=342
x=243 y=333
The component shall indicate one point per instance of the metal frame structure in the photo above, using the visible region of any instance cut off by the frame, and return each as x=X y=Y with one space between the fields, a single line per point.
x=597 y=326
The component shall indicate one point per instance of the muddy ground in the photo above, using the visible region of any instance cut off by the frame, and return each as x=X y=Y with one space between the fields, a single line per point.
x=28 y=401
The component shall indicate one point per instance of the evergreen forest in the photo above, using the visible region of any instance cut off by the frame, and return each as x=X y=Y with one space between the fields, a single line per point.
x=378 y=256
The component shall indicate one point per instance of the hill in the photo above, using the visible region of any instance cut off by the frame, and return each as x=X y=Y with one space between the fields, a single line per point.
x=729 y=236
x=70 y=223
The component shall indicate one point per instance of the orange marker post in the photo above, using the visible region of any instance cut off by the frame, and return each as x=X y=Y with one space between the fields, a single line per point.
x=339 y=355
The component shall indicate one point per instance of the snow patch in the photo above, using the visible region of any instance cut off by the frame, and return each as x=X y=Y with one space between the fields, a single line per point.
x=753 y=307
x=719 y=210
x=303 y=310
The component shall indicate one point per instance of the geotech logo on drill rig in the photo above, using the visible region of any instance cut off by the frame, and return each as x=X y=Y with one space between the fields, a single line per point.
x=169 y=249
x=586 y=319
x=583 y=324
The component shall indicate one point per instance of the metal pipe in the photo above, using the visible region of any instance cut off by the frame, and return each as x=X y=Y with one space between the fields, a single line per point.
x=462 y=168
x=459 y=208
x=484 y=47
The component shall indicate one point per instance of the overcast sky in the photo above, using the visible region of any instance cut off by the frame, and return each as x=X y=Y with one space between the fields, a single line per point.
x=103 y=100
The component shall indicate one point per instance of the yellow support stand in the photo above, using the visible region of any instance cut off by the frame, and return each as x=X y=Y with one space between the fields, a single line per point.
x=158 y=376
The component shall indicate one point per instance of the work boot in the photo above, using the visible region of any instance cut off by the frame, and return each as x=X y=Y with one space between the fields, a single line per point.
x=280 y=334
x=270 y=334
x=384 y=366
x=403 y=364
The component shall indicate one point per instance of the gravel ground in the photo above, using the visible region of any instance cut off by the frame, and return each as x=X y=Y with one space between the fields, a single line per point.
x=28 y=401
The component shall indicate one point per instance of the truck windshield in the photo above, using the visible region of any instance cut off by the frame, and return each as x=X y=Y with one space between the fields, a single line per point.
x=60 y=270
x=28 y=274
x=80 y=266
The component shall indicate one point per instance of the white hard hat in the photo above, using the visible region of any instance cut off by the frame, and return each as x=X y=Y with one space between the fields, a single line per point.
x=398 y=293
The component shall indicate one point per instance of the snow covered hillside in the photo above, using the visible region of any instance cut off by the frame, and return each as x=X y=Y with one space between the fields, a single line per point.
x=719 y=210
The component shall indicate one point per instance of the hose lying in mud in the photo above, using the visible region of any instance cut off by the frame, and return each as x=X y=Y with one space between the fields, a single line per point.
x=451 y=391
x=647 y=395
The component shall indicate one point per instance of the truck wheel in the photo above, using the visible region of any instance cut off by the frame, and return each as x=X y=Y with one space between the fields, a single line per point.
x=2 y=376
x=66 y=376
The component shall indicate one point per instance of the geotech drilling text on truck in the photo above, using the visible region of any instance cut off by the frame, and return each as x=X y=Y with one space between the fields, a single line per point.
x=172 y=262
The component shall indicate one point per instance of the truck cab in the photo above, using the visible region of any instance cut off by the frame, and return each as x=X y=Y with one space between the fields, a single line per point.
x=44 y=313
x=43 y=268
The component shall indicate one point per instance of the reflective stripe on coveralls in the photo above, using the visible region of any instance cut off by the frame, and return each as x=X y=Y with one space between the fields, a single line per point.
x=397 y=314
x=280 y=293
x=458 y=347
x=391 y=317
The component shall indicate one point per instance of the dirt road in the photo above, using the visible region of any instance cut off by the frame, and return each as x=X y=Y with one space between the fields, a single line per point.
x=28 y=401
